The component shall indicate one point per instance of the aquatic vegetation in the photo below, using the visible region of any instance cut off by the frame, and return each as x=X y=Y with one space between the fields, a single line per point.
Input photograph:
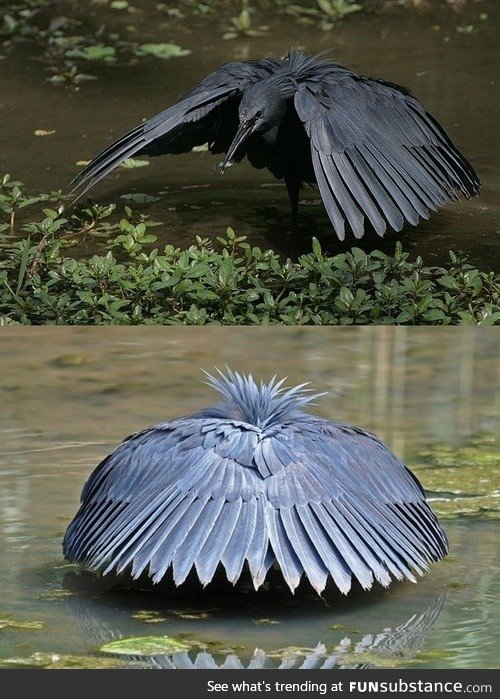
x=72 y=35
x=190 y=614
x=150 y=616
x=131 y=163
x=343 y=628
x=161 y=50
x=139 y=198
x=97 y=52
x=145 y=646
x=297 y=652
x=53 y=27
x=463 y=481
x=372 y=659
x=432 y=654
x=61 y=661
x=265 y=622
x=7 y=622
x=327 y=12
x=242 y=24
x=56 y=594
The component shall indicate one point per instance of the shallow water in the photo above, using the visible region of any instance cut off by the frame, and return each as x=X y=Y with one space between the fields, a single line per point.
x=451 y=72
x=69 y=395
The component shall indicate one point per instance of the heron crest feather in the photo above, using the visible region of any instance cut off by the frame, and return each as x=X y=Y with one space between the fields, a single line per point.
x=263 y=404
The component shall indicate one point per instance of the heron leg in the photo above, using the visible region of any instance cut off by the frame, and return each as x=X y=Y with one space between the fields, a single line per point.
x=293 y=188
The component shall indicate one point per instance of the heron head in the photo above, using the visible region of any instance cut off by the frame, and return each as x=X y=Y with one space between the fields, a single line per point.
x=261 y=110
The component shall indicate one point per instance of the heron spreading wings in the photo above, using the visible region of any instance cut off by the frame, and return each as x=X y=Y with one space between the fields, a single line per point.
x=254 y=481
x=373 y=150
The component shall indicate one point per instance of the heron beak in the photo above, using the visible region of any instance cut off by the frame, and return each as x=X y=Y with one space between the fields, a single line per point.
x=244 y=131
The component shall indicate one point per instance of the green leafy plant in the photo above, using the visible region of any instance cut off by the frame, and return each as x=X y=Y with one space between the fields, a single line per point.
x=335 y=10
x=164 y=51
x=227 y=281
x=97 y=52
x=242 y=24
x=327 y=12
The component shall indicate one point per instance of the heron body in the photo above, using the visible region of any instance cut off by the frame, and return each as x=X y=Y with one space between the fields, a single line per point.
x=254 y=481
x=373 y=150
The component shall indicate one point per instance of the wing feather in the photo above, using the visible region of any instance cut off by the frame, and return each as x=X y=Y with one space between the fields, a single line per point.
x=318 y=529
x=238 y=545
x=284 y=550
x=187 y=552
x=259 y=555
x=407 y=202
x=210 y=554
x=328 y=196
x=389 y=533
x=374 y=145
x=359 y=191
x=178 y=128
x=351 y=211
x=312 y=564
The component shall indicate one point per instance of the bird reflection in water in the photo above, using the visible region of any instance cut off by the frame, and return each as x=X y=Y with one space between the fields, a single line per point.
x=392 y=634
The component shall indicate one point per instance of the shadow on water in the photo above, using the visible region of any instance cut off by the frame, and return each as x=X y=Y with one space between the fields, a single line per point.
x=294 y=238
x=105 y=609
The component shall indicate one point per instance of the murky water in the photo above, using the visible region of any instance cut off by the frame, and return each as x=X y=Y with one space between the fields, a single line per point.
x=68 y=395
x=451 y=72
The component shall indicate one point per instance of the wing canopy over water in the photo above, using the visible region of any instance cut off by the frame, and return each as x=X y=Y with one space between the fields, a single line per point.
x=377 y=154
x=321 y=499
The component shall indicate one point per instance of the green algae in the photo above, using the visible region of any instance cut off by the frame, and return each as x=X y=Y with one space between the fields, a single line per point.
x=372 y=659
x=149 y=616
x=463 y=481
x=56 y=594
x=432 y=654
x=57 y=661
x=265 y=622
x=145 y=646
x=342 y=627
x=190 y=613
x=291 y=651
x=7 y=622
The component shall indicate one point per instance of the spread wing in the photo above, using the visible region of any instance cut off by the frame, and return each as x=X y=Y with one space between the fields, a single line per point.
x=345 y=506
x=320 y=499
x=192 y=121
x=176 y=495
x=377 y=154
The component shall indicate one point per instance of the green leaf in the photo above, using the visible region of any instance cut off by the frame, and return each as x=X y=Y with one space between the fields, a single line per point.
x=97 y=52
x=23 y=265
x=490 y=319
x=434 y=314
x=449 y=282
x=164 y=51
x=316 y=247
x=134 y=162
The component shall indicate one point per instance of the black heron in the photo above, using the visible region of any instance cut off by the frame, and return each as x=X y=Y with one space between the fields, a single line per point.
x=370 y=146
x=250 y=482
